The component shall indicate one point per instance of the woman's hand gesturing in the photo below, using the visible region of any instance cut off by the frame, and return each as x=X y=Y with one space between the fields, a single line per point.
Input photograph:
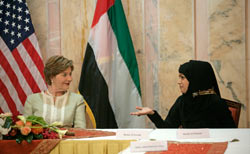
x=142 y=111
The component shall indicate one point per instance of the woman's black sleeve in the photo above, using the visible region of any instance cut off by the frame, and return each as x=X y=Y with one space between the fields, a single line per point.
x=172 y=120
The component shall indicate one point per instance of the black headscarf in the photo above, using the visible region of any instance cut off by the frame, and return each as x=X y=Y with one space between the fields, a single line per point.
x=201 y=77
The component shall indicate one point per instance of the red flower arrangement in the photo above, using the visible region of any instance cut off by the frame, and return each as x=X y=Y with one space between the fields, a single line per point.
x=32 y=127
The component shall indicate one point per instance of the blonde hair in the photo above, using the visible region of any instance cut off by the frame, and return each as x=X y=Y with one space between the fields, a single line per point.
x=55 y=65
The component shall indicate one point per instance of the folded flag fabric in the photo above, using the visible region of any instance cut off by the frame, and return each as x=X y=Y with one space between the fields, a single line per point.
x=110 y=79
x=21 y=65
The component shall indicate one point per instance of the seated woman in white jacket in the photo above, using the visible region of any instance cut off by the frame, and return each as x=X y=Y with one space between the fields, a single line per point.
x=57 y=103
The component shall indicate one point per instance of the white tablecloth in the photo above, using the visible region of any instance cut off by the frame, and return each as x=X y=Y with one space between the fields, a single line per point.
x=216 y=135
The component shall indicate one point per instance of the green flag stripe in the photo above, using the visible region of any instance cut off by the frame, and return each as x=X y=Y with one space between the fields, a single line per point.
x=119 y=25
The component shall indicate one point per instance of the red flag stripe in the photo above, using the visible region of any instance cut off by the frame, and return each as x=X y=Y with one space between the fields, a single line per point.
x=27 y=75
x=102 y=7
x=34 y=55
x=3 y=104
x=6 y=81
x=8 y=54
x=1 y=111
x=8 y=69
x=32 y=67
x=35 y=44
x=6 y=95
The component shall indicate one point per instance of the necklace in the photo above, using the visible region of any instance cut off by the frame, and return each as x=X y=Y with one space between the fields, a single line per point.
x=204 y=92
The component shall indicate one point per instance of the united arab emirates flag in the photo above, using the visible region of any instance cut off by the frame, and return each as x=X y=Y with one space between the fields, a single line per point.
x=110 y=80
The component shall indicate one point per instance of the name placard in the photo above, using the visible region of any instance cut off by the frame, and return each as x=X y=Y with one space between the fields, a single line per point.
x=132 y=134
x=144 y=146
x=192 y=133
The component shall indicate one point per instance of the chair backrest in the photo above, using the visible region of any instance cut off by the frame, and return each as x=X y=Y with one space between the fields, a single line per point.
x=90 y=119
x=235 y=109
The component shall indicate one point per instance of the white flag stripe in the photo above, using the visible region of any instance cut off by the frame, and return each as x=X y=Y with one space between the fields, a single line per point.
x=11 y=89
x=3 y=104
x=104 y=50
x=35 y=44
x=120 y=84
x=15 y=67
x=32 y=67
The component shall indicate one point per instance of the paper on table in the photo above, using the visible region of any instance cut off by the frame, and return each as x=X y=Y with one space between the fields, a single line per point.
x=132 y=134
x=192 y=133
x=144 y=146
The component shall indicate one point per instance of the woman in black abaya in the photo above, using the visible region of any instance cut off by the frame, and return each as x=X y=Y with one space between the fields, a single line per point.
x=199 y=106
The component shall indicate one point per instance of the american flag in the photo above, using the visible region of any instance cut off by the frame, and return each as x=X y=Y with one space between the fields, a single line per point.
x=21 y=65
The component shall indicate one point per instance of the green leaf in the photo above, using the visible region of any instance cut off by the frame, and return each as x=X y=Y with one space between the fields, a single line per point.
x=38 y=136
x=29 y=138
x=22 y=118
x=19 y=139
x=8 y=122
x=37 y=120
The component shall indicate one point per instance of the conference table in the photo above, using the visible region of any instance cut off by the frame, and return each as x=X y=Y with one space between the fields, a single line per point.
x=237 y=141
